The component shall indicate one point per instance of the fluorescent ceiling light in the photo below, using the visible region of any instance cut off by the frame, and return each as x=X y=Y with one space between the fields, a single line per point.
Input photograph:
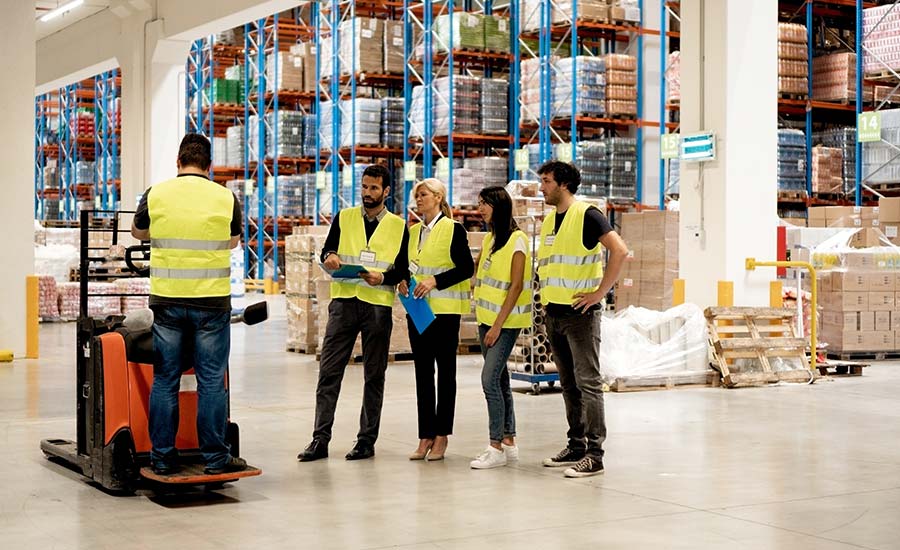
x=61 y=10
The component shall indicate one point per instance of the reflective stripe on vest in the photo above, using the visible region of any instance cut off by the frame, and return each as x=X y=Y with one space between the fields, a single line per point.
x=494 y=279
x=434 y=259
x=190 y=228
x=385 y=244
x=566 y=267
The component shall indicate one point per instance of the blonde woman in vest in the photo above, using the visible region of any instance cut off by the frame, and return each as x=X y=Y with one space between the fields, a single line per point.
x=502 y=310
x=573 y=283
x=441 y=264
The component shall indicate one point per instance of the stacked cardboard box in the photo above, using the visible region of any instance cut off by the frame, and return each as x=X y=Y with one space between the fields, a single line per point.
x=621 y=84
x=827 y=165
x=284 y=71
x=792 y=46
x=459 y=31
x=652 y=264
x=880 y=29
x=357 y=37
x=394 y=53
x=844 y=216
x=302 y=271
x=564 y=10
x=834 y=77
x=305 y=54
x=625 y=10
x=858 y=303
x=888 y=214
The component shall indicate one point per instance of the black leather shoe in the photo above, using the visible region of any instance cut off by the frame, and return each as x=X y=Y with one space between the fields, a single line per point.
x=314 y=451
x=162 y=469
x=234 y=464
x=361 y=451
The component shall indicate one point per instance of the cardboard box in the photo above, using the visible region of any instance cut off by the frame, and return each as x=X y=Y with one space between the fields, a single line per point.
x=853 y=281
x=880 y=281
x=883 y=321
x=847 y=321
x=895 y=320
x=632 y=228
x=889 y=210
x=881 y=301
x=880 y=340
x=659 y=251
x=660 y=225
x=394 y=51
x=844 y=340
x=846 y=301
x=866 y=237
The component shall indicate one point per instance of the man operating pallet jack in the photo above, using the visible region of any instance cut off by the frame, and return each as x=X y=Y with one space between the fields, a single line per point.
x=192 y=224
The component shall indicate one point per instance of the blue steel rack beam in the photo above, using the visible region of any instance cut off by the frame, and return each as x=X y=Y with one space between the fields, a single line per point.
x=860 y=40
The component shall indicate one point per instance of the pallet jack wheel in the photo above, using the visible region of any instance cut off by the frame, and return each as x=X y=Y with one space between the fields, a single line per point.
x=123 y=470
x=536 y=388
x=551 y=383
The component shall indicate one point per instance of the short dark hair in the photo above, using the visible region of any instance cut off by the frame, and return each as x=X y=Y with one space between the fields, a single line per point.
x=195 y=150
x=378 y=171
x=564 y=173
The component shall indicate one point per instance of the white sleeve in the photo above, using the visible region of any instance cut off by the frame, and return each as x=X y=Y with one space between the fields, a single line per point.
x=521 y=245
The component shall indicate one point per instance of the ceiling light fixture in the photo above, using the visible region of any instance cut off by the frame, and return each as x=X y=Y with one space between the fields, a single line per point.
x=61 y=10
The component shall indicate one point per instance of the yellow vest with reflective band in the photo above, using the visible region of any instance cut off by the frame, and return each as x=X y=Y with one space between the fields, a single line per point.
x=566 y=267
x=434 y=259
x=190 y=234
x=492 y=282
x=385 y=243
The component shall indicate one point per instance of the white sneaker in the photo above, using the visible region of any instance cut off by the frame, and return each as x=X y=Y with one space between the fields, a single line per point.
x=490 y=458
x=511 y=452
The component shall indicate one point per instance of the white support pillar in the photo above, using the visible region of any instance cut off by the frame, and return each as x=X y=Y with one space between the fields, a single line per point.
x=17 y=57
x=729 y=85
x=651 y=90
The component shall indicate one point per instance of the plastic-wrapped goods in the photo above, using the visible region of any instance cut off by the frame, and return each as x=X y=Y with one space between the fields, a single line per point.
x=234 y=146
x=227 y=91
x=494 y=106
x=673 y=185
x=640 y=342
x=795 y=86
x=231 y=37
x=100 y=300
x=827 y=170
x=621 y=99
x=361 y=41
x=590 y=80
x=496 y=33
x=673 y=78
x=794 y=68
x=296 y=195
x=592 y=160
x=466 y=95
x=362 y=116
x=48 y=298
x=237 y=272
x=84 y=172
x=240 y=188
x=878 y=158
x=881 y=29
x=621 y=107
x=235 y=72
x=464 y=32
x=219 y=151
x=619 y=78
x=845 y=140
x=394 y=51
x=69 y=296
x=792 y=33
x=55 y=260
x=622 y=167
x=530 y=99
x=791 y=160
x=138 y=290
x=834 y=77
x=392 y=122
x=620 y=62
x=490 y=170
x=284 y=71
x=791 y=51
x=309 y=136
x=289 y=131
x=351 y=176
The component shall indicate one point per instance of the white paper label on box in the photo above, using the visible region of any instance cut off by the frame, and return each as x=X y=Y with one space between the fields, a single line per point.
x=890 y=231
x=628 y=283
x=875 y=210
x=298 y=61
x=857 y=222
x=502 y=25
x=631 y=254
x=248 y=188
x=297 y=192
x=800 y=163
x=875 y=223
x=398 y=41
x=471 y=21
x=857 y=209
x=628 y=166
x=366 y=33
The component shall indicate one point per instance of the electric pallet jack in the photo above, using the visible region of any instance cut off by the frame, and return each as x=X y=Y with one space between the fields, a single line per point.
x=114 y=376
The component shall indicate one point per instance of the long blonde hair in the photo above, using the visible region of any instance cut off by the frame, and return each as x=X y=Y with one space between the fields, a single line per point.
x=436 y=187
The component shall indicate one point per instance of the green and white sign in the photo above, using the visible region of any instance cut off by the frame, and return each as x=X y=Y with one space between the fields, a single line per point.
x=521 y=159
x=869 y=126
x=564 y=152
x=409 y=170
x=668 y=146
x=443 y=168
x=321 y=179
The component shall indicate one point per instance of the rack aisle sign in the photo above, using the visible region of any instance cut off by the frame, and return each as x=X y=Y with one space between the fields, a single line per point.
x=564 y=152
x=869 y=126
x=521 y=160
x=409 y=170
x=668 y=148
x=699 y=147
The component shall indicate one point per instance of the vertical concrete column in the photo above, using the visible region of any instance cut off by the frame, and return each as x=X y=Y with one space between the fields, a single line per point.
x=17 y=57
x=651 y=90
x=729 y=85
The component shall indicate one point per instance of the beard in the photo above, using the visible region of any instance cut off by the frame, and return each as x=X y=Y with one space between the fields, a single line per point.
x=369 y=202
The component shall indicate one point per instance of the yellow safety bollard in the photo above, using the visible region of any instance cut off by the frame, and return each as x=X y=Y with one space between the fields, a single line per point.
x=267 y=285
x=776 y=294
x=32 y=309
x=677 y=292
x=726 y=294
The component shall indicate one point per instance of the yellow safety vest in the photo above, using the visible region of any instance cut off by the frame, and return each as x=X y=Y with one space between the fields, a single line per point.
x=190 y=234
x=385 y=244
x=493 y=280
x=434 y=259
x=565 y=266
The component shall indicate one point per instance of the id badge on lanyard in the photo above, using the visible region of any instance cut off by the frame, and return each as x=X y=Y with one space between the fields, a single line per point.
x=549 y=240
x=413 y=268
x=367 y=258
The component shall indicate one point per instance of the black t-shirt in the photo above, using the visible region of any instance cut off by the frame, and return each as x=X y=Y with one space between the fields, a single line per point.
x=595 y=226
x=142 y=221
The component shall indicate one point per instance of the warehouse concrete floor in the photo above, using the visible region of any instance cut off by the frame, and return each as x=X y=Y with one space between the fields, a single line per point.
x=780 y=467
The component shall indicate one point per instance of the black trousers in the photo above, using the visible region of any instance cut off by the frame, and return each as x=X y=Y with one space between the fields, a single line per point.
x=436 y=346
x=346 y=319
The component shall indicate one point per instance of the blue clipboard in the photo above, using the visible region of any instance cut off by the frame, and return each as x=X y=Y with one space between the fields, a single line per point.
x=347 y=271
x=417 y=308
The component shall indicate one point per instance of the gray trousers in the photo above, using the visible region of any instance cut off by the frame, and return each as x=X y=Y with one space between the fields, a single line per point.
x=575 y=343
x=346 y=319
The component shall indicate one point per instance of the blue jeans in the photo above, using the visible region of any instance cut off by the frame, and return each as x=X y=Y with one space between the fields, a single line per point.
x=185 y=337
x=495 y=383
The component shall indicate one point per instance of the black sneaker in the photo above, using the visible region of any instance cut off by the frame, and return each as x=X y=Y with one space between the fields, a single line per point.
x=164 y=469
x=566 y=457
x=587 y=466
x=233 y=464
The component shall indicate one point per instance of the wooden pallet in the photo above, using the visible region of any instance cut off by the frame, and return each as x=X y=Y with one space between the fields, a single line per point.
x=792 y=196
x=665 y=382
x=886 y=76
x=863 y=355
x=310 y=350
x=760 y=334
x=797 y=97
x=841 y=368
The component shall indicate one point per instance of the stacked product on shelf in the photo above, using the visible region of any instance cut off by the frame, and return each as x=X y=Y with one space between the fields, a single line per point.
x=827 y=165
x=530 y=98
x=622 y=154
x=881 y=26
x=296 y=195
x=592 y=160
x=305 y=54
x=627 y=11
x=219 y=151
x=791 y=160
x=879 y=163
x=309 y=136
x=136 y=293
x=496 y=34
x=459 y=31
x=652 y=264
x=84 y=172
x=302 y=271
x=834 y=77
x=361 y=41
x=362 y=116
x=391 y=134
x=394 y=52
x=228 y=92
x=845 y=140
x=673 y=185
x=621 y=84
x=588 y=92
x=48 y=298
x=793 y=54
x=466 y=95
x=564 y=11
x=351 y=175
x=234 y=146
x=235 y=72
x=673 y=79
x=289 y=131
x=494 y=106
